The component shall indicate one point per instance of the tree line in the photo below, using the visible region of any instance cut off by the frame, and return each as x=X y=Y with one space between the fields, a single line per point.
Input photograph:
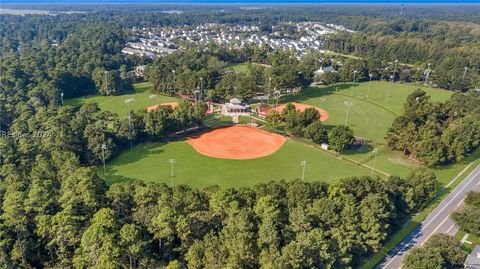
x=56 y=213
x=307 y=124
x=208 y=71
x=443 y=251
x=437 y=133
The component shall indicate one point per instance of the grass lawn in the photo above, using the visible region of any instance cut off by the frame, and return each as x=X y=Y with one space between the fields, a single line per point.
x=240 y=68
x=214 y=121
x=116 y=104
x=369 y=118
x=149 y=162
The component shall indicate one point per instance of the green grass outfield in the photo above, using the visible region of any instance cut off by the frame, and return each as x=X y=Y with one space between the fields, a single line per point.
x=150 y=162
x=116 y=104
x=369 y=118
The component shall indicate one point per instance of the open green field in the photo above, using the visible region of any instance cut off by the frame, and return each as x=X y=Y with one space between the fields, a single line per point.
x=150 y=162
x=240 y=68
x=370 y=118
x=116 y=104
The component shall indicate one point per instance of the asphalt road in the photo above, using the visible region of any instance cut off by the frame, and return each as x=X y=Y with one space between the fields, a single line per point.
x=438 y=221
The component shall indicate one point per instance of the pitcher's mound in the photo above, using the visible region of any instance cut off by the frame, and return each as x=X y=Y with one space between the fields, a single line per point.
x=237 y=142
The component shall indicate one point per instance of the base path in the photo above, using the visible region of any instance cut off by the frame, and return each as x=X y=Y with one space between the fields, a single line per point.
x=236 y=142
x=155 y=107
x=301 y=107
x=438 y=221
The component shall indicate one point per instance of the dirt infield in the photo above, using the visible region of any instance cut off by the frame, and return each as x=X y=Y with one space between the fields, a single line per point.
x=237 y=142
x=155 y=107
x=323 y=114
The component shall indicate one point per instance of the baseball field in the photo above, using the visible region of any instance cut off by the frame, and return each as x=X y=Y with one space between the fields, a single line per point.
x=372 y=110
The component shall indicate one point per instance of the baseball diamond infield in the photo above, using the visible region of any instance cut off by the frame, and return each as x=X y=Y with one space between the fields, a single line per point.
x=323 y=114
x=237 y=142
x=155 y=107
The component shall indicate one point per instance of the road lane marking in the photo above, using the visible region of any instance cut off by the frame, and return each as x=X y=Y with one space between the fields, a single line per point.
x=448 y=216
x=451 y=227
x=461 y=173
x=452 y=199
x=413 y=237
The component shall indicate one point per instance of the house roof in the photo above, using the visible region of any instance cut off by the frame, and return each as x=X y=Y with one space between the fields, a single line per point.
x=235 y=101
x=233 y=106
x=473 y=259
x=325 y=70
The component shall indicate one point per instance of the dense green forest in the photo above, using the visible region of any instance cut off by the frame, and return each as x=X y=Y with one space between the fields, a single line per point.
x=56 y=212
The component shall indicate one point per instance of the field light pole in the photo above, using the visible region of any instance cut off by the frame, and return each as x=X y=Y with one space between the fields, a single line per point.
x=375 y=151
x=353 y=82
x=369 y=85
x=61 y=95
x=427 y=73
x=151 y=97
x=464 y=73
x=348 y=105
x=201 y=87
x=304 y=164
x=128 y=101
x=104 y=147
x=395 y=69
x=276 y=95
x=389 y=89
x=172 y=163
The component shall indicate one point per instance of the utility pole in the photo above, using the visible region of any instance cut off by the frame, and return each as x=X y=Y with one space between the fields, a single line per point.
x=304 y=164
x=375 y=151
x=369 y=85
x=104 y=147
x=353 y=82
x=348 y=105
x=172 y=163
x=464 y=73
